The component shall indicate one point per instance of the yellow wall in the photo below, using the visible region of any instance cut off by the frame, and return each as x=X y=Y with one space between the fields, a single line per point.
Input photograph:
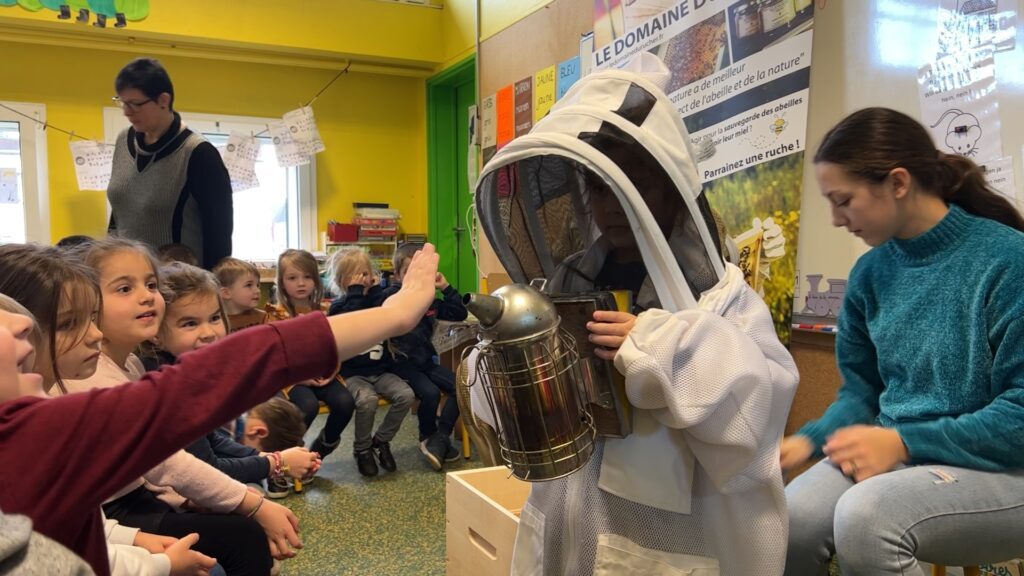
x=374 y=126
x=365 y=29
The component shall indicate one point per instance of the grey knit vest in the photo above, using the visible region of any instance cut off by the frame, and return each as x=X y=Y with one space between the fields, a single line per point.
x=144 y=203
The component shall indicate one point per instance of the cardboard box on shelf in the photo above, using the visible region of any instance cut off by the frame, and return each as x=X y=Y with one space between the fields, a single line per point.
x=482 y=515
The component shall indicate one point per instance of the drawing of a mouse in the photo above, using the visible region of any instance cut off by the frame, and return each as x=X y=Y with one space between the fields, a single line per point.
x=962 y=133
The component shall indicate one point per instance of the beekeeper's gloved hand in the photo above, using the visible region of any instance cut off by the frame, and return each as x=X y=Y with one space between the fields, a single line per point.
x=773 y=243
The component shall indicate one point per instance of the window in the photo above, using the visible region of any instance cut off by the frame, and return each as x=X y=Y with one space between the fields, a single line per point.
x=24 y=197
x=280 y=213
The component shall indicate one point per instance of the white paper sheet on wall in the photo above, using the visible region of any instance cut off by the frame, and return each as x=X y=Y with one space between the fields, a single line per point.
x=586 y=54
x=959 y=105
x=999 y=175
x=239 y=156
x=93 y=163
x=9 y=193
x=288 y=153
x=302 y=126
x=965 y=24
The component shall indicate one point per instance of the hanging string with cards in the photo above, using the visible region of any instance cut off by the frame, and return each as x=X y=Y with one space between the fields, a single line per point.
x=92 y=158
x=295 y=138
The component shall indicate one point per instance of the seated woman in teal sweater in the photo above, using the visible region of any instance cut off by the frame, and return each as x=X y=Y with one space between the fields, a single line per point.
x=924 y=444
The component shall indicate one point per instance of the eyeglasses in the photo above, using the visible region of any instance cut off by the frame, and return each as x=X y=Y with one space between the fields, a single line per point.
x=131 y=106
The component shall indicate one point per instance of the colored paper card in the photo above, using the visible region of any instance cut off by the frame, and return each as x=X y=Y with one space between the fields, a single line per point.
x=568 y=74
x=489 y=122
x=506 y=115
x=93 y=163
x=543 y=92
x=524 y=106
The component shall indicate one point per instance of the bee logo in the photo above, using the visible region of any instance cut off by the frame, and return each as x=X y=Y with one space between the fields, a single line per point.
x=778 y=126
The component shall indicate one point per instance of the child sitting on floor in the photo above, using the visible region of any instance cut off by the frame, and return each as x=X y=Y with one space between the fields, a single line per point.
x=194 y=318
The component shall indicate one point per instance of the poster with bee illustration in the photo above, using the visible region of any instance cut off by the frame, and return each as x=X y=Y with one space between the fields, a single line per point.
x=739 y=76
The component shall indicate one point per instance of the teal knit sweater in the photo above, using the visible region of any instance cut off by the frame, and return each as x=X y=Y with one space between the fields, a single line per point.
x=931 y=343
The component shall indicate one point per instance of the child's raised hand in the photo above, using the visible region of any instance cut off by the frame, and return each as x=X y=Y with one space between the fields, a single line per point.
x=440 y=282
x=281 y=527
x=609 y=330
x=417 y=292
x=188 y=562
x=299 y=461
x=153 y=543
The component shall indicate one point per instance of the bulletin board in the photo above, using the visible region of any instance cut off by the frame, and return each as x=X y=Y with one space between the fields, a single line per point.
x=865 y=53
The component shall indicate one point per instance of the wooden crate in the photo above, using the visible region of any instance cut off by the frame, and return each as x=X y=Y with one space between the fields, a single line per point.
x=482 y=515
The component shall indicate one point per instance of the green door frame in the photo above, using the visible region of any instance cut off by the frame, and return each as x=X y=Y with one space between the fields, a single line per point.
x=442 y=161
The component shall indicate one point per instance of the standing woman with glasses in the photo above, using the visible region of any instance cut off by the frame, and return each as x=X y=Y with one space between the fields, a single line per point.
x=168 y=184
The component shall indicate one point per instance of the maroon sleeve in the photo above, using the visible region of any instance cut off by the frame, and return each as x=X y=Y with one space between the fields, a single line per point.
x=64 y=456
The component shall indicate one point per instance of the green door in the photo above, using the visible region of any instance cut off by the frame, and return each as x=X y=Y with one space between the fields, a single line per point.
x=449 y=98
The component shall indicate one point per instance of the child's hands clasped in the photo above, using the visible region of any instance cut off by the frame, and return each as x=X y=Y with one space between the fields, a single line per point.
x=863 y=451
x=300 y=462
x=609 y=330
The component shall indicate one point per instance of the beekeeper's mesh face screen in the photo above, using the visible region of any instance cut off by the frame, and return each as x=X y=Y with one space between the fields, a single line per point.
x=551 y=217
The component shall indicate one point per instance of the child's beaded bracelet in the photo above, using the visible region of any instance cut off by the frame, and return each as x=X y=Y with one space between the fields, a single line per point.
x=275 y=460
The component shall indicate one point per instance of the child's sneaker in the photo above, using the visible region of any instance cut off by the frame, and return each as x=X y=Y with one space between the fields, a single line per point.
x=277 y=487
x=451 y=453
x=434 y=450
x=322 y=447
x=383 y=452
x=365 y=462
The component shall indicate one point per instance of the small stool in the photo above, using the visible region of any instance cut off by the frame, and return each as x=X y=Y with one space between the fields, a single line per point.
x=940 y=570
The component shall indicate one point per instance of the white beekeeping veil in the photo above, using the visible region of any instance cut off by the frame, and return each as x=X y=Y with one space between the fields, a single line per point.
x=604 y=194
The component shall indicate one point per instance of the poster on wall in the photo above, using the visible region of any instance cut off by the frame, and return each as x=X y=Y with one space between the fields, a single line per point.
x=568 y=74
x=543 y=92
x=523 y=106
x=959 y=104
x=505 y=114
x=740 y=73
x=488 y=127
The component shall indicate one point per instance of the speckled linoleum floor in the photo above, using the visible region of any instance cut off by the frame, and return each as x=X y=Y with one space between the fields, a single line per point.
x=392 y=524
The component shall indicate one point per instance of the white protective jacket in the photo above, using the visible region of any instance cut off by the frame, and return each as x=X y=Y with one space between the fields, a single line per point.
x=696 y=488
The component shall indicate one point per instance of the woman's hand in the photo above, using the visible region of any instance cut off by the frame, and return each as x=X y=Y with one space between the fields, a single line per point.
x=863 y=451
x=795 y=450
x=281 y=527
x=299 y=461
x=609 y=330
x=153 y=543
x=188 y=562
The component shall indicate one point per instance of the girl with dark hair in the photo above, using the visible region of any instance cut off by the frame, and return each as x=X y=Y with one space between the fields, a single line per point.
x=168 y=184
x=924 y=444
x=64 y=477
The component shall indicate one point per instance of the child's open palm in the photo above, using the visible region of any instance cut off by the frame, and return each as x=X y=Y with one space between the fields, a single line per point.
x=418 y=285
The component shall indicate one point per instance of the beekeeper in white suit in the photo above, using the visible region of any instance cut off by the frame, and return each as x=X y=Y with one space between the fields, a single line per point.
x=604 y=194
